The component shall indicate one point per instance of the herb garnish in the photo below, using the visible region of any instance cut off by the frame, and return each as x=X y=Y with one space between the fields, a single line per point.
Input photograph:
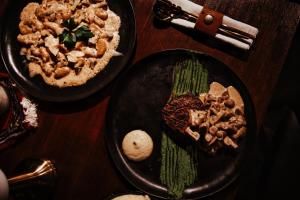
x=72 y=34
x=83 y=33
x=69 y=23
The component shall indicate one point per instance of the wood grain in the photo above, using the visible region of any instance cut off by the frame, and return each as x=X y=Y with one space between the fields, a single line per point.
x=72 y=134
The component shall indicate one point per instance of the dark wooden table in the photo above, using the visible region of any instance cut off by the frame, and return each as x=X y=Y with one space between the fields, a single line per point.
x=72 y=133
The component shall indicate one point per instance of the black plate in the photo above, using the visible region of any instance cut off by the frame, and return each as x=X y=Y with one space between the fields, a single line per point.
x=10 y=49
x=136 y=104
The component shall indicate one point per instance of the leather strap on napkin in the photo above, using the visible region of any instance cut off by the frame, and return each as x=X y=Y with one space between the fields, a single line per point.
x=209 y=21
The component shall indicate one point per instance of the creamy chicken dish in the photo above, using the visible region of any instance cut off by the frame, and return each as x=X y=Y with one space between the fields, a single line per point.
x=68 y=42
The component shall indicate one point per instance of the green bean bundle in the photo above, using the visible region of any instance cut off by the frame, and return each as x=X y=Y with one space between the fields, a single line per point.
x=179 y=164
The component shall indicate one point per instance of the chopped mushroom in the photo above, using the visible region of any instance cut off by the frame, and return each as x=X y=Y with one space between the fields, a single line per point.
x=239 y=133
x=193 y=134
x=208 y=137
x=213 y=130
x=211 y=114
x=220 y=134
x=217 y=118
x=229 y=142
x=214 y=138
x=229 y=103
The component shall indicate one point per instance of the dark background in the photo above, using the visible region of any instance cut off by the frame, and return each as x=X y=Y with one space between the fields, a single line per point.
x=273 y=172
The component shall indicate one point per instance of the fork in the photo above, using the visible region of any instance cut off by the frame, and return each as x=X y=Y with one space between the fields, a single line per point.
x=166 y=11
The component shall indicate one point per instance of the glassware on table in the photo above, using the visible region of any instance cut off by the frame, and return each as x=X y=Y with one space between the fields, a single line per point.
x=35 y=179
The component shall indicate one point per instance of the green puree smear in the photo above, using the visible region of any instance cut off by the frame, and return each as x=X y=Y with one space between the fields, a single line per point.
x=179 y=163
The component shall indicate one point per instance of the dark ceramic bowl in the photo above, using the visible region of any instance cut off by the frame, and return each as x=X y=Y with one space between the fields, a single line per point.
x=10 y=51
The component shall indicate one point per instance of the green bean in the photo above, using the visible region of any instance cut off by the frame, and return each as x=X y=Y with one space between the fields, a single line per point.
x=179 y=165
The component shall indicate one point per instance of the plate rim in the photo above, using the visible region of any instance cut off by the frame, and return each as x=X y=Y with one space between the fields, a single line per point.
x=133 y=66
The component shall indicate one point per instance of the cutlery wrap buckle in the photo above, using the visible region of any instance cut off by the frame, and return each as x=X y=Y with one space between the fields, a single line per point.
x=209 y=21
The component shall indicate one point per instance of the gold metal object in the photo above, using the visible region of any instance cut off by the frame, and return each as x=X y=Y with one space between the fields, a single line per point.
x=45 y=168
x=208 y=19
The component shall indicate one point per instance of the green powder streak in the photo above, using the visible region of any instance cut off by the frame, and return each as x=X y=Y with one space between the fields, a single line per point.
x=179 y=164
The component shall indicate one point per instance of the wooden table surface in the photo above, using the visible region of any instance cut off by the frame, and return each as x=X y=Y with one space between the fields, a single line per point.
x=72 y=133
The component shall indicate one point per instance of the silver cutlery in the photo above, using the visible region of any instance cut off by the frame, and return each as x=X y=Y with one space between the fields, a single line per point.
x=165 y=10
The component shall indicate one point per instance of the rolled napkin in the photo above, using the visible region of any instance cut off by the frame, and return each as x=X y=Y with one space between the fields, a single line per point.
x=215 y=24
